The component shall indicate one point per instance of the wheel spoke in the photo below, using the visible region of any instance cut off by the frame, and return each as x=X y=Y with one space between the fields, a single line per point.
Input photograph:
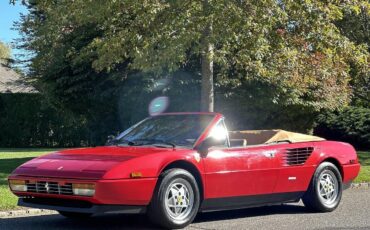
x=173 y=200
x=322 y=192
x=173 y=191
x=328 y=195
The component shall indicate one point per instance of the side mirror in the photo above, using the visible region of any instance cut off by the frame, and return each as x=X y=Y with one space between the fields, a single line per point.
x=110 y=139
x=208 y=143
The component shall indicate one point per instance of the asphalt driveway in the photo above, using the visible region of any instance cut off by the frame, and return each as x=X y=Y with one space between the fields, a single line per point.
x=353 y=213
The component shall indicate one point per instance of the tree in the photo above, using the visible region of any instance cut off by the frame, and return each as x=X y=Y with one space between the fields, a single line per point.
x=356 y=26
x=84 y=49
x=207 y=46
x=293 y=45
x=351 y=124
x=4 y=52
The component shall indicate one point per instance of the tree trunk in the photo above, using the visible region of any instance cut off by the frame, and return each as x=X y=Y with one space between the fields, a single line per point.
x=207 y=94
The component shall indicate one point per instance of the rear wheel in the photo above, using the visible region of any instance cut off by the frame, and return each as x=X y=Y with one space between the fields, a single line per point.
x=75 y=215
x=176 y=200
x=325 y=190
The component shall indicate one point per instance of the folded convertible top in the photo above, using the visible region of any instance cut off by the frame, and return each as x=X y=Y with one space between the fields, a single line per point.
x=256 y=137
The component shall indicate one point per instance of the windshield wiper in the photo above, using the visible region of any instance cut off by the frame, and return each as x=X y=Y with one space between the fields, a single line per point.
x=124 y=142
x=154 y=142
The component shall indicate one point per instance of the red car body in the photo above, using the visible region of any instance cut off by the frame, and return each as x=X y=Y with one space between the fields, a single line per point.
x=125 y=177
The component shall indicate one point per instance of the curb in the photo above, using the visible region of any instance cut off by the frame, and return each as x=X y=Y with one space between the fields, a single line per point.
x=26 y=212
x=360 y=185
x=34 y=211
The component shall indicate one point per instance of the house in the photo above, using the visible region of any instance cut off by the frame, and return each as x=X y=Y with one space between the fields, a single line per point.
x=11 y=82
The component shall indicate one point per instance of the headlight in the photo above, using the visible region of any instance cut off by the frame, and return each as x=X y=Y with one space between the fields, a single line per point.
x=18 y=185
x=83 y=189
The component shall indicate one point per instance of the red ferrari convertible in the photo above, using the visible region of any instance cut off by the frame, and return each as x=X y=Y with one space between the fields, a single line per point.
x=174 y=165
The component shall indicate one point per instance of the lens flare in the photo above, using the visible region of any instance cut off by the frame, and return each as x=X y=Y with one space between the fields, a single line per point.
x=219 y=133
x=160 y=84
x=158 y=105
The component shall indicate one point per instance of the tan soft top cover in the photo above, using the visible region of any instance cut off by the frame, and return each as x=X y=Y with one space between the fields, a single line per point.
x=256 y=137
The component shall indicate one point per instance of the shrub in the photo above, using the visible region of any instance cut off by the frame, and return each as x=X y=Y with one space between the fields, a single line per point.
x=352 y=125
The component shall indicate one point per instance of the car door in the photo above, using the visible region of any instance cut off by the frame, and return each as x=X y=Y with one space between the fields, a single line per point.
x=238 y=172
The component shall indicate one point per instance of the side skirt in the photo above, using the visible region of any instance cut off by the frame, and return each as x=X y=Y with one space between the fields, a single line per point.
x=239 y=202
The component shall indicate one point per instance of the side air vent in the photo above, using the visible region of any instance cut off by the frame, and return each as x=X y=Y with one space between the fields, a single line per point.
x=297 y=156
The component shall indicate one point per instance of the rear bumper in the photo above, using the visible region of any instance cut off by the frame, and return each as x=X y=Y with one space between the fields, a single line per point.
x=78 y=206
x=350 y=172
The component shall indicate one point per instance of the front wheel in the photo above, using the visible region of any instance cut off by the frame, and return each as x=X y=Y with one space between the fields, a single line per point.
x=176 y=200
x=325 y=190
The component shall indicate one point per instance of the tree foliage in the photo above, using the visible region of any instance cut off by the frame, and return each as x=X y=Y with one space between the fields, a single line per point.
x=275 y=63
x=356 y=26
x=5 y=53
x=292 y=45
x=350 y=125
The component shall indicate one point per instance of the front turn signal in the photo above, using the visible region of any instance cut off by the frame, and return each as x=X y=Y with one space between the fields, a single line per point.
x=136 y=175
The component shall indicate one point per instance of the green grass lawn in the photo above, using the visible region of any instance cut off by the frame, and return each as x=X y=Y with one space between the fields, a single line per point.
x=11 y=158
x=364 y=158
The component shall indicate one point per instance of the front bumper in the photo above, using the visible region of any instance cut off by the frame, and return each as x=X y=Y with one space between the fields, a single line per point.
x=78 y=206
x=128 y=192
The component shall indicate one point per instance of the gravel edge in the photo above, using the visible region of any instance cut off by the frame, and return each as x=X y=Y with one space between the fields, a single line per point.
x=26 y=212
x=360 y=185
x=33 y=211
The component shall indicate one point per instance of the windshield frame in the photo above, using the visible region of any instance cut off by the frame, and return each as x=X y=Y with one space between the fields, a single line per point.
x=212 y=121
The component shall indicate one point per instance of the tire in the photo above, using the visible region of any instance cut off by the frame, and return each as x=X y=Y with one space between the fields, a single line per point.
x=325 y=189
x=75 y=215
x=175 y=187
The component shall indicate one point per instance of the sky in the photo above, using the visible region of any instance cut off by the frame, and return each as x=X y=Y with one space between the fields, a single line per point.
x=8 y=14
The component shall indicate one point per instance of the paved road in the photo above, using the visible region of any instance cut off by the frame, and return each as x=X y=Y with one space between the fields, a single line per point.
x=353 y=213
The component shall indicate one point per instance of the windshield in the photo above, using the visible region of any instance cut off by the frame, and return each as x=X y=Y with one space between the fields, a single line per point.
x=170 y=130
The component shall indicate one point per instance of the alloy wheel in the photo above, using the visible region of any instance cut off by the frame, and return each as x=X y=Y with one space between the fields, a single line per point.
x=328 y=187
x=179 y=200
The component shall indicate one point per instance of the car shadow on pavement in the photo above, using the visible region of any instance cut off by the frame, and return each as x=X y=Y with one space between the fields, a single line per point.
x=56 y=222
x=111 y=222
x=251 y=212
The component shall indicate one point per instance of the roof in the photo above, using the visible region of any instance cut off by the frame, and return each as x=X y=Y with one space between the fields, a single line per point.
x=12 y=82
x=255 y=137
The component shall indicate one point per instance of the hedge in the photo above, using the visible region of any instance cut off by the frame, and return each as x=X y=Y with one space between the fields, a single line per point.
x=352 y=125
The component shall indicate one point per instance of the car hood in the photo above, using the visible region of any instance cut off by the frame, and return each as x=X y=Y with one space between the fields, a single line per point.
x=85 y=163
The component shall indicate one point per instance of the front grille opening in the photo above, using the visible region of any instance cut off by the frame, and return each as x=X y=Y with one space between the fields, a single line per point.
x=49 y=187
x=297 y=156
